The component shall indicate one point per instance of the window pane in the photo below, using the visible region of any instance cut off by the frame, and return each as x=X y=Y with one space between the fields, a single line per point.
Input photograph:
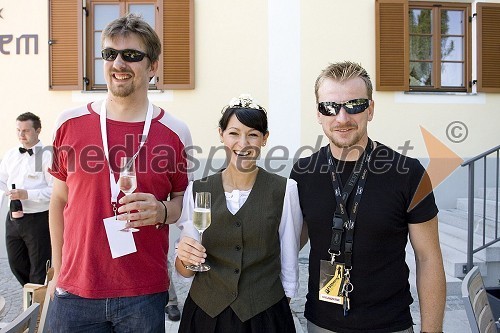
x=452 y=74
x=420 y=21
x=452 y=48
x=105 y=14
x=97 y=44
x=146 y=11
x=420 y=47
x=420 y=74
x=98 y=71
x=452 y=22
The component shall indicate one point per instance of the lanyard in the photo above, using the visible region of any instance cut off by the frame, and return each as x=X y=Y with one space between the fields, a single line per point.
x=115 y=189
x=341 y=219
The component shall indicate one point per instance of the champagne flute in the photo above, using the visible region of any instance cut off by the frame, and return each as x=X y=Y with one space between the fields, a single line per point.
x=202 y=218
x=127 y=181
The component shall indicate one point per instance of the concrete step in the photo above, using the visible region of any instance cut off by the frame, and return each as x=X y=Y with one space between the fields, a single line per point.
x=491 y=193
x=453 y=240
x=458 y=218
x=455 y=260
x=487 y=208
x=456 y=238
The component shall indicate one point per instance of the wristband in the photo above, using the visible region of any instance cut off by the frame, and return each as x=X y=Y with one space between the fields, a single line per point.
x=164 y=223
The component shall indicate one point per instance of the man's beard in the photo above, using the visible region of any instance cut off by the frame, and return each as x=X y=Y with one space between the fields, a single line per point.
x=347 y=143
x=123 y=91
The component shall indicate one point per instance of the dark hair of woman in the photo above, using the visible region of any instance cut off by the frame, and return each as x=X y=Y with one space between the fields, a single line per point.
x=253 y=118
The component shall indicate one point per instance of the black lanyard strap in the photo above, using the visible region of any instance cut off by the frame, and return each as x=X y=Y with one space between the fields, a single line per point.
x=337 y=231
x=342 y=220
x=349 y=239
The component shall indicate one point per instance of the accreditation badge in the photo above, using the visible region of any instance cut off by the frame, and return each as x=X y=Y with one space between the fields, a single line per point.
x=331 y=281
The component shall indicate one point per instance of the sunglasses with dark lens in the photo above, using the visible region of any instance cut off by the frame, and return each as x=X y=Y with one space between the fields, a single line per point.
x=129 y=55
x=353 y=106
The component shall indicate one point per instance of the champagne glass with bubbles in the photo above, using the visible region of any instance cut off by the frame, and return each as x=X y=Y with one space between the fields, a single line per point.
x=128 y=180
x=202 y=218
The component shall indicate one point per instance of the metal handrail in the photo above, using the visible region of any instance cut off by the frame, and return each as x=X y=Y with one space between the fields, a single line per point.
x=470 y=204
x=486 y=153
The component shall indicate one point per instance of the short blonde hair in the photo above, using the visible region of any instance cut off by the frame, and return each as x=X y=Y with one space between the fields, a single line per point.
x=343 y=71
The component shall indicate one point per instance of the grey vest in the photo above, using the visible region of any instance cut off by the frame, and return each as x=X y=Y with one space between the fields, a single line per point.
x=243 y=250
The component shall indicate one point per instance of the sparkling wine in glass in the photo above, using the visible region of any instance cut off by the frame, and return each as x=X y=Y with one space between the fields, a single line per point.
x=128 y=180
x=202 y=218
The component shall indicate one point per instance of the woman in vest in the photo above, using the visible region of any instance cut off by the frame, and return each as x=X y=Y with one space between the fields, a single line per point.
x=253 y=242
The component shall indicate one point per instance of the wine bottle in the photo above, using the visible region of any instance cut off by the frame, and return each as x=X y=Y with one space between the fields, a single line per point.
x=16 y=208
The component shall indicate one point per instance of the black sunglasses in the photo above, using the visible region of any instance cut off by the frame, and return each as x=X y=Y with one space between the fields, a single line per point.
x=129 y=55
x=353 y=106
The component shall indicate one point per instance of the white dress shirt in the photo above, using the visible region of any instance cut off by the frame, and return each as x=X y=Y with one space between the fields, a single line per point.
x=289 y=229
x=29 y=173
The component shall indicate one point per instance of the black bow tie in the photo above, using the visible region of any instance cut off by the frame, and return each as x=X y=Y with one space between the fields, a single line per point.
x=23 y=150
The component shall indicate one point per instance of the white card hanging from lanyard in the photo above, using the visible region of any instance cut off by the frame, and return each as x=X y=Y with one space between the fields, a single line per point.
x=115 y=189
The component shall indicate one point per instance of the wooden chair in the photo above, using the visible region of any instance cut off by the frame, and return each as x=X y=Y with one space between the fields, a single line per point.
x=25 y=322
x=2 y=304
x=42 y=328
x=37 y=293
x=476 y=303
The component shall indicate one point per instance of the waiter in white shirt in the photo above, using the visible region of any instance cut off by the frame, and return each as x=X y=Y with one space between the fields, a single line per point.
x=28 y=237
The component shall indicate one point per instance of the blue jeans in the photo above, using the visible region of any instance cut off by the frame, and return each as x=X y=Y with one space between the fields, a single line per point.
x=71 y=313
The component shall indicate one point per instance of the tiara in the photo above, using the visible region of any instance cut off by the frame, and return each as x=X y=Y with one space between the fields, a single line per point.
x=244 y=101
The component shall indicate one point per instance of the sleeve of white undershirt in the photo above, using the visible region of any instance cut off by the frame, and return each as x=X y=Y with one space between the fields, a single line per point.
x=289 y=232
x=185 y=223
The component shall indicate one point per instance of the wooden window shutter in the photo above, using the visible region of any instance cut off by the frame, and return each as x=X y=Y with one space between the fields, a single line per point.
x=65 y=45
x=391 y=20
x=178 y=44
x=488 y=47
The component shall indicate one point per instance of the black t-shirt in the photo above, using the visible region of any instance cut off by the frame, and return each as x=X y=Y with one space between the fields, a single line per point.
x=381 y=296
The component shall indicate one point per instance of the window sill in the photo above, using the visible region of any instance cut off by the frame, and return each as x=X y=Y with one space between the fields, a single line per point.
x=440 y=93
x=421 y=97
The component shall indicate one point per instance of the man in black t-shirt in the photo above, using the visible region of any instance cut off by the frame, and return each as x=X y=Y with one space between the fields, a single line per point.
x=360 y=200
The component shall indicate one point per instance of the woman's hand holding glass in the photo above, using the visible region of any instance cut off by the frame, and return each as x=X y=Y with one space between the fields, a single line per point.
x=191 y=252
x=202 y=218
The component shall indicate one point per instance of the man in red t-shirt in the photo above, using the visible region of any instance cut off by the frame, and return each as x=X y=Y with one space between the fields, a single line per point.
x=97 y=285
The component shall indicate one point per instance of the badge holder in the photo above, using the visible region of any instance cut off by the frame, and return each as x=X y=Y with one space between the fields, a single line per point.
x=331 y=281
x=335 y=284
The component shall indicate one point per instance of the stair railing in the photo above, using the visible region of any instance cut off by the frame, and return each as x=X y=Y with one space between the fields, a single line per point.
x=470 y=218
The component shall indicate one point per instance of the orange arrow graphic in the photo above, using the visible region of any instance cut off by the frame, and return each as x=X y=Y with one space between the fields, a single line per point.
x=442 y=162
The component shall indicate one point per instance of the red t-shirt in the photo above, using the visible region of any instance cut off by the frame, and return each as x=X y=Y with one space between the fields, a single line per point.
x=88 y=270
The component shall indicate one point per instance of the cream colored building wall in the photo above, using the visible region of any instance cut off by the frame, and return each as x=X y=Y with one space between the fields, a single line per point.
x=230 y=58
x=345 y=30
x=272 y=49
